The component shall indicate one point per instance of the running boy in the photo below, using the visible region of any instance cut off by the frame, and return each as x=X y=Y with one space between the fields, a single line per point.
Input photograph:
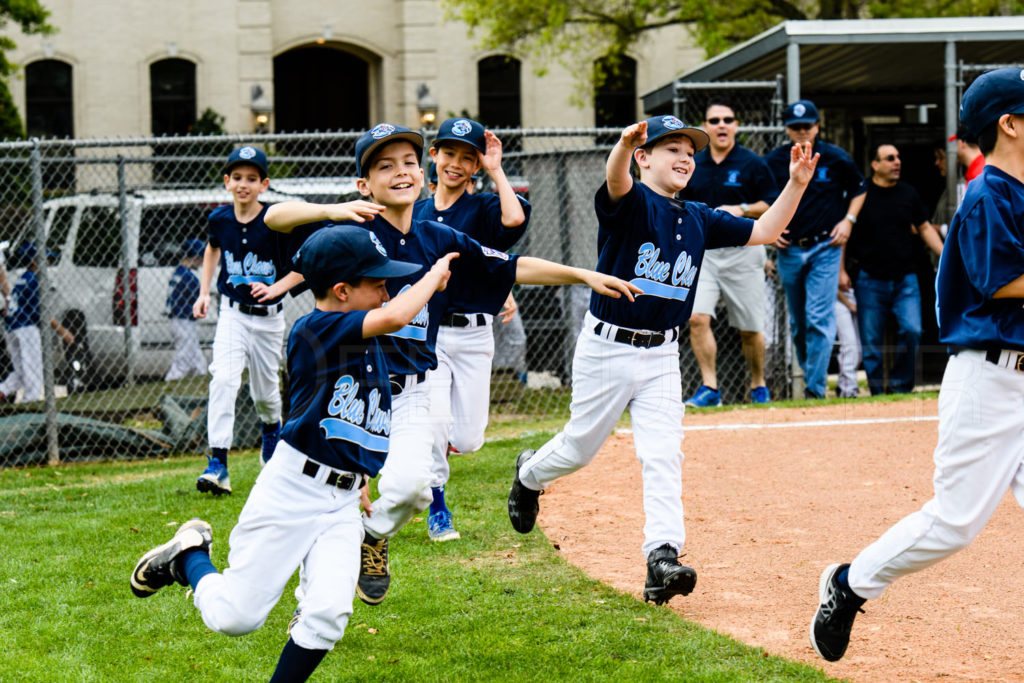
x=304 y=506
x=461 y=385
x=250 y=331
x=182 y=291
x=628 y=356
x=387 y=163
x=980 y=452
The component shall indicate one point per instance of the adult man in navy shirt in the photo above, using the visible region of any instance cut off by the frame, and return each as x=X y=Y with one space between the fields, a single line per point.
x=731 y=178
x=810 y=250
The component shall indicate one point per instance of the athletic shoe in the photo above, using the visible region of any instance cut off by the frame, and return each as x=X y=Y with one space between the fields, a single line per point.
x=439 y=527
x=706 y=397
x=837 y=608
x=374 y=570
x=160 y=567
x=214 y=478
x=522 y=502
x=760 y=395
x=667 y=578
x=269 y=444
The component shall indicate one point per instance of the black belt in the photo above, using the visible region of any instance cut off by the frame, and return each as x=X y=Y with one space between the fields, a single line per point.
x=256 y=310
x=335 y=479
x=994 y=356
x=461 y=320
x=398 y=382
x=643 y=340
x=805 y=242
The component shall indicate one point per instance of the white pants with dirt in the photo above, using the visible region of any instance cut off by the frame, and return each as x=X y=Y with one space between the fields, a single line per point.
x=188 y=358
x=23 y=346
x=460 y=392
x=243 y=341
x=288 y=519
x=404 y=484
x=980 y=454
x=607 y=378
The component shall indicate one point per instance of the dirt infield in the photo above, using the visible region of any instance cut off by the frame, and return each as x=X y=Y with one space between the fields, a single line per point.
x=768 y=505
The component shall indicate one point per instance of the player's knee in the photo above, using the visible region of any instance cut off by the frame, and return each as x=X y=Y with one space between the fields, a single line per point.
x=234 y=622
x=467 y=443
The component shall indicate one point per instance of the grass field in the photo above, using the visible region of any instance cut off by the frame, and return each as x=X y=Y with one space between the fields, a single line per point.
x=493 y=606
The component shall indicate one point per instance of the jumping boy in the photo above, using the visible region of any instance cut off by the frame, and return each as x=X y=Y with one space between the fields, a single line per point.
x=461 y=384
x=980 y=452
x=250 y=331
x=387 y=163
x=304 y=506
x=628 y=356
x=182 y=291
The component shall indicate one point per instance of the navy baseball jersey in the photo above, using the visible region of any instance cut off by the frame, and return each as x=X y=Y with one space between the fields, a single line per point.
x=658 y=244
x=23 y=304
x=251 y=252
x=836 y=181
x=984 y=251
x=477 y=215
x=412 y=349
x=741 y=178
x=182 y=292
x=340 y=396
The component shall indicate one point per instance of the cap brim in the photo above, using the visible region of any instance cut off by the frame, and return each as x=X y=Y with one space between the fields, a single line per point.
x=804 y=119
x=393 y=269
x=697 y=136
x=456 y=138
x=245 y=162
x=415 y=138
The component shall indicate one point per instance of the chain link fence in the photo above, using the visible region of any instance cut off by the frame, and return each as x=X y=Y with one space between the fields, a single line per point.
x=101 y=223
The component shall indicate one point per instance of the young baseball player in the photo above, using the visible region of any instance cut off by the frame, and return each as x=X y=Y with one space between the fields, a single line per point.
x=628 y=356
x=182 y=291
x=304 y=506
x=461 y=384
x=250 y=327
x=980 y=451
x=387 y=163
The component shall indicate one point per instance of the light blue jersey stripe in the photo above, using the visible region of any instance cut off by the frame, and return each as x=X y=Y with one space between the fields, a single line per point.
x=236 y=280
x=661 y=290
x=411 y=332
x=346 y=431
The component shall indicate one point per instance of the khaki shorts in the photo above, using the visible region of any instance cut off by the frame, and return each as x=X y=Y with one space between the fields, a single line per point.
x=735 y=275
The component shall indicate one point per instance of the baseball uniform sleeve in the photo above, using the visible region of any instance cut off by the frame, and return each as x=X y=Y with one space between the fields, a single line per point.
x=631 y=205
x=722 y=229
x=992 y=247
x=482 y=277
x=497 y=234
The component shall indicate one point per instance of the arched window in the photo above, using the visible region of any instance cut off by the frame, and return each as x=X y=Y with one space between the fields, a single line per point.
x=498 y=99
x=615 y=99
x=49 y=108
x=172 y=96
x=321 y=88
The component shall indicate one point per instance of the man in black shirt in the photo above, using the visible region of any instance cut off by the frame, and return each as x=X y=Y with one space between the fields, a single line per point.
x=880 y=261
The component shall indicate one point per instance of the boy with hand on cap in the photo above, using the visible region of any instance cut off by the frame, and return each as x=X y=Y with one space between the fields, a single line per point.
x=628 y=356
x=182 y=291
x=980 y=304
x=461 y=384
x=304 y=507
x=387 y=162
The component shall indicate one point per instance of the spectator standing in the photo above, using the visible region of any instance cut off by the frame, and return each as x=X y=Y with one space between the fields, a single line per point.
x=809 y=251
x=182 y=291
x=969 y=155
x=849 y=344
x=880 y=262
x=730 y=178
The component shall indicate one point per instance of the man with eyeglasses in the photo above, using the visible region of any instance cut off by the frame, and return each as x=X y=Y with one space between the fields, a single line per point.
x=733 y=179
x=879 y=260
x=810 y=250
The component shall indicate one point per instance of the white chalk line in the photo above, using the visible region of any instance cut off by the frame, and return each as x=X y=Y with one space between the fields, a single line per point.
x=787 y=425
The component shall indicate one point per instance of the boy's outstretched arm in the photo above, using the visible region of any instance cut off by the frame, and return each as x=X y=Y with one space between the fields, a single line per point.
x=620 y=182
x=536 y=271
x=286 y=216
x=512 y=214
x=264 y=292
x=210 y=259
x=400 y=311
x=772 y=222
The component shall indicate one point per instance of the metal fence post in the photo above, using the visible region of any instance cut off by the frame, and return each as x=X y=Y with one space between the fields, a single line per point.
x=45 y=303
x=127 y=268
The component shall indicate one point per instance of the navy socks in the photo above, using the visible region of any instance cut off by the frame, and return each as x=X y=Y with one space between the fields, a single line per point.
x=438 y=504
x=296 y=663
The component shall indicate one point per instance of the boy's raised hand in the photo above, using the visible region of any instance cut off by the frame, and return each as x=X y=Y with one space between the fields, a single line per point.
x=635 y=135
x=443 y=268
x=609 y=285
x=491 y=159
x=359 y=211
x=801 y=163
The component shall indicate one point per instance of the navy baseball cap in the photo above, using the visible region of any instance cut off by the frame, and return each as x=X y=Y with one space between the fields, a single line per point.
x=247 y=156
x=462 y=130
x=377 y=137
x=193 y=247
x=660 y=126
x=342 y=253
x=801 y=111
x=993 y=94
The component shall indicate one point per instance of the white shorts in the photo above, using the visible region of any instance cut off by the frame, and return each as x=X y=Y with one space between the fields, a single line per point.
x=736 y=275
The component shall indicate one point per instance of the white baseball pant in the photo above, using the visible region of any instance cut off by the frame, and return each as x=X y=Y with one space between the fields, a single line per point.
x=244 y=341
x=188 y=357
x=23 y=346
x=607 y=378
x=980 y=454
x=288 y=519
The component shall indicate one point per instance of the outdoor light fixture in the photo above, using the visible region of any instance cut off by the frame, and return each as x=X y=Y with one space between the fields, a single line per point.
x=261 y=108
x=427 y=106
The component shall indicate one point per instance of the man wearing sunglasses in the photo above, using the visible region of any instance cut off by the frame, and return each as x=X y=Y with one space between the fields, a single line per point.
x=810 y=250
x=880 y=261
x=733 y=179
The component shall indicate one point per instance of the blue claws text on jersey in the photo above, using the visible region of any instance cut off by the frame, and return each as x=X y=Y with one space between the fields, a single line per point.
x=353 y=420
x=250 y=269
x=652 y=273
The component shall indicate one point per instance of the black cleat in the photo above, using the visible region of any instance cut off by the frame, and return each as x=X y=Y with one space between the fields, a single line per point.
x=837 y=608
x=667 y=578
x=522 y=502
x=159 y=567
x=374 y=570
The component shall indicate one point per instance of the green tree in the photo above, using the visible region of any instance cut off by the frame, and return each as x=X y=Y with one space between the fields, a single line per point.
x=31 y=17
